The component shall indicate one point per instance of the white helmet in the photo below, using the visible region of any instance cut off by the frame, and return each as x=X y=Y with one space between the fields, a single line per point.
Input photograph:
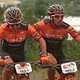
x=56 y=8
x=13 y=15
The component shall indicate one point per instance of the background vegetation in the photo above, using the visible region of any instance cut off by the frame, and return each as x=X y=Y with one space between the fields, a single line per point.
x=35 y=10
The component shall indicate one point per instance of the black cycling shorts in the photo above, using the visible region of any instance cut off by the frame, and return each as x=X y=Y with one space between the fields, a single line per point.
x=15 y=57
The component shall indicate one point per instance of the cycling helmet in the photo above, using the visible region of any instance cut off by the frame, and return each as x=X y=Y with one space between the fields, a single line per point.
x=13 y=15
x=56 y=8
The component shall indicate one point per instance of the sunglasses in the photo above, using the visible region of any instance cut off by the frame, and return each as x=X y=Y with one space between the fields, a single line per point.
x=58 y=16
x=14 y=24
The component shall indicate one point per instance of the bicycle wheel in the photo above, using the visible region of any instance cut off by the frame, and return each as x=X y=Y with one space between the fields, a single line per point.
x=22 y=77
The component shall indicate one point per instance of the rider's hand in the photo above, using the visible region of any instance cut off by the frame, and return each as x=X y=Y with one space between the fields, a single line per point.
x=44 y=59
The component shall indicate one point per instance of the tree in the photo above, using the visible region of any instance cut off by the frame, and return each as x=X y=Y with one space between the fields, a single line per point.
x=27 y=7
x=40 y=9
x=1 y=14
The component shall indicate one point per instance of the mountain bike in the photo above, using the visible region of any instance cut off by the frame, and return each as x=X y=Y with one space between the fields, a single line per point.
x=21 y=70
x=69 y=70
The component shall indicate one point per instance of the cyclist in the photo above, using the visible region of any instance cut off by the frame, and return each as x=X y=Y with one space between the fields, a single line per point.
x=54 y=30
x=13 y=34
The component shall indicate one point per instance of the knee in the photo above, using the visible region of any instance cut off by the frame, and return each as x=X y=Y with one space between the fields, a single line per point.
x=4 y=62
x=51 y=59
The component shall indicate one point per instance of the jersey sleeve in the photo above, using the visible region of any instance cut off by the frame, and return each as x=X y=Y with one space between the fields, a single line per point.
x=1 y=35
x=72 y=32
x=2 y=31
x=34 y=33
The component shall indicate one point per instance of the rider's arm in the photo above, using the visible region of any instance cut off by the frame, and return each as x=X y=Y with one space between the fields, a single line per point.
x=43 y=46
x=74 y=34
x=38 y=37
x=1 y=38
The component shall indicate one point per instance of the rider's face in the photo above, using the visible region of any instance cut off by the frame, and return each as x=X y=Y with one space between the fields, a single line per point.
x=57 y=19
x=14 y=27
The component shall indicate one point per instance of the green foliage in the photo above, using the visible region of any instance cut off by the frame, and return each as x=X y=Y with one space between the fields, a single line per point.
x=27 y=8
x=33 y=9
x=32 y=49
x=40 y=9
x=71 y=50
x=36 y=9
x=1 y=14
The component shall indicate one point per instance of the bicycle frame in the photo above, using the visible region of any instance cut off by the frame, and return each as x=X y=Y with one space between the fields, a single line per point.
x=23 y=69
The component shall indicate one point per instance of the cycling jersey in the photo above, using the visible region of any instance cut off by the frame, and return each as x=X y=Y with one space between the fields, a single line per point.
x=13 y=42
x=54 y=36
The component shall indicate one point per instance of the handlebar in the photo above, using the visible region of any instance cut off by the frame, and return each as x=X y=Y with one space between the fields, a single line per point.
x=54 y=66
x=42 y=65
x=22 y=63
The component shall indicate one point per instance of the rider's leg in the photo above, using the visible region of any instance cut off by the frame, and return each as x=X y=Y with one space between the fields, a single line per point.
x=5 y=74
x=5 y=58
x=7 y=71
x=51 y=72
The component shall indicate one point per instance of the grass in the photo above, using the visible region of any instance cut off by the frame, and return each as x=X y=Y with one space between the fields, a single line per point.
x=42 y=75
x=39 y=75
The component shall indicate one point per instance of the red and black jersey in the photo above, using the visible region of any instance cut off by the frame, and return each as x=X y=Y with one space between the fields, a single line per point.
x=13 y=42
x=54 y=36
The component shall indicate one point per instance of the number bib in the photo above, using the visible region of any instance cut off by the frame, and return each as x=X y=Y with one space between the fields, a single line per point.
x=23 y=69
x=69 y=67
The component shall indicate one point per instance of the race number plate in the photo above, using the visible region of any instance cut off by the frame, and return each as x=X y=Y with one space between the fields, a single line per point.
x=69 y=67
x=23 y=69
